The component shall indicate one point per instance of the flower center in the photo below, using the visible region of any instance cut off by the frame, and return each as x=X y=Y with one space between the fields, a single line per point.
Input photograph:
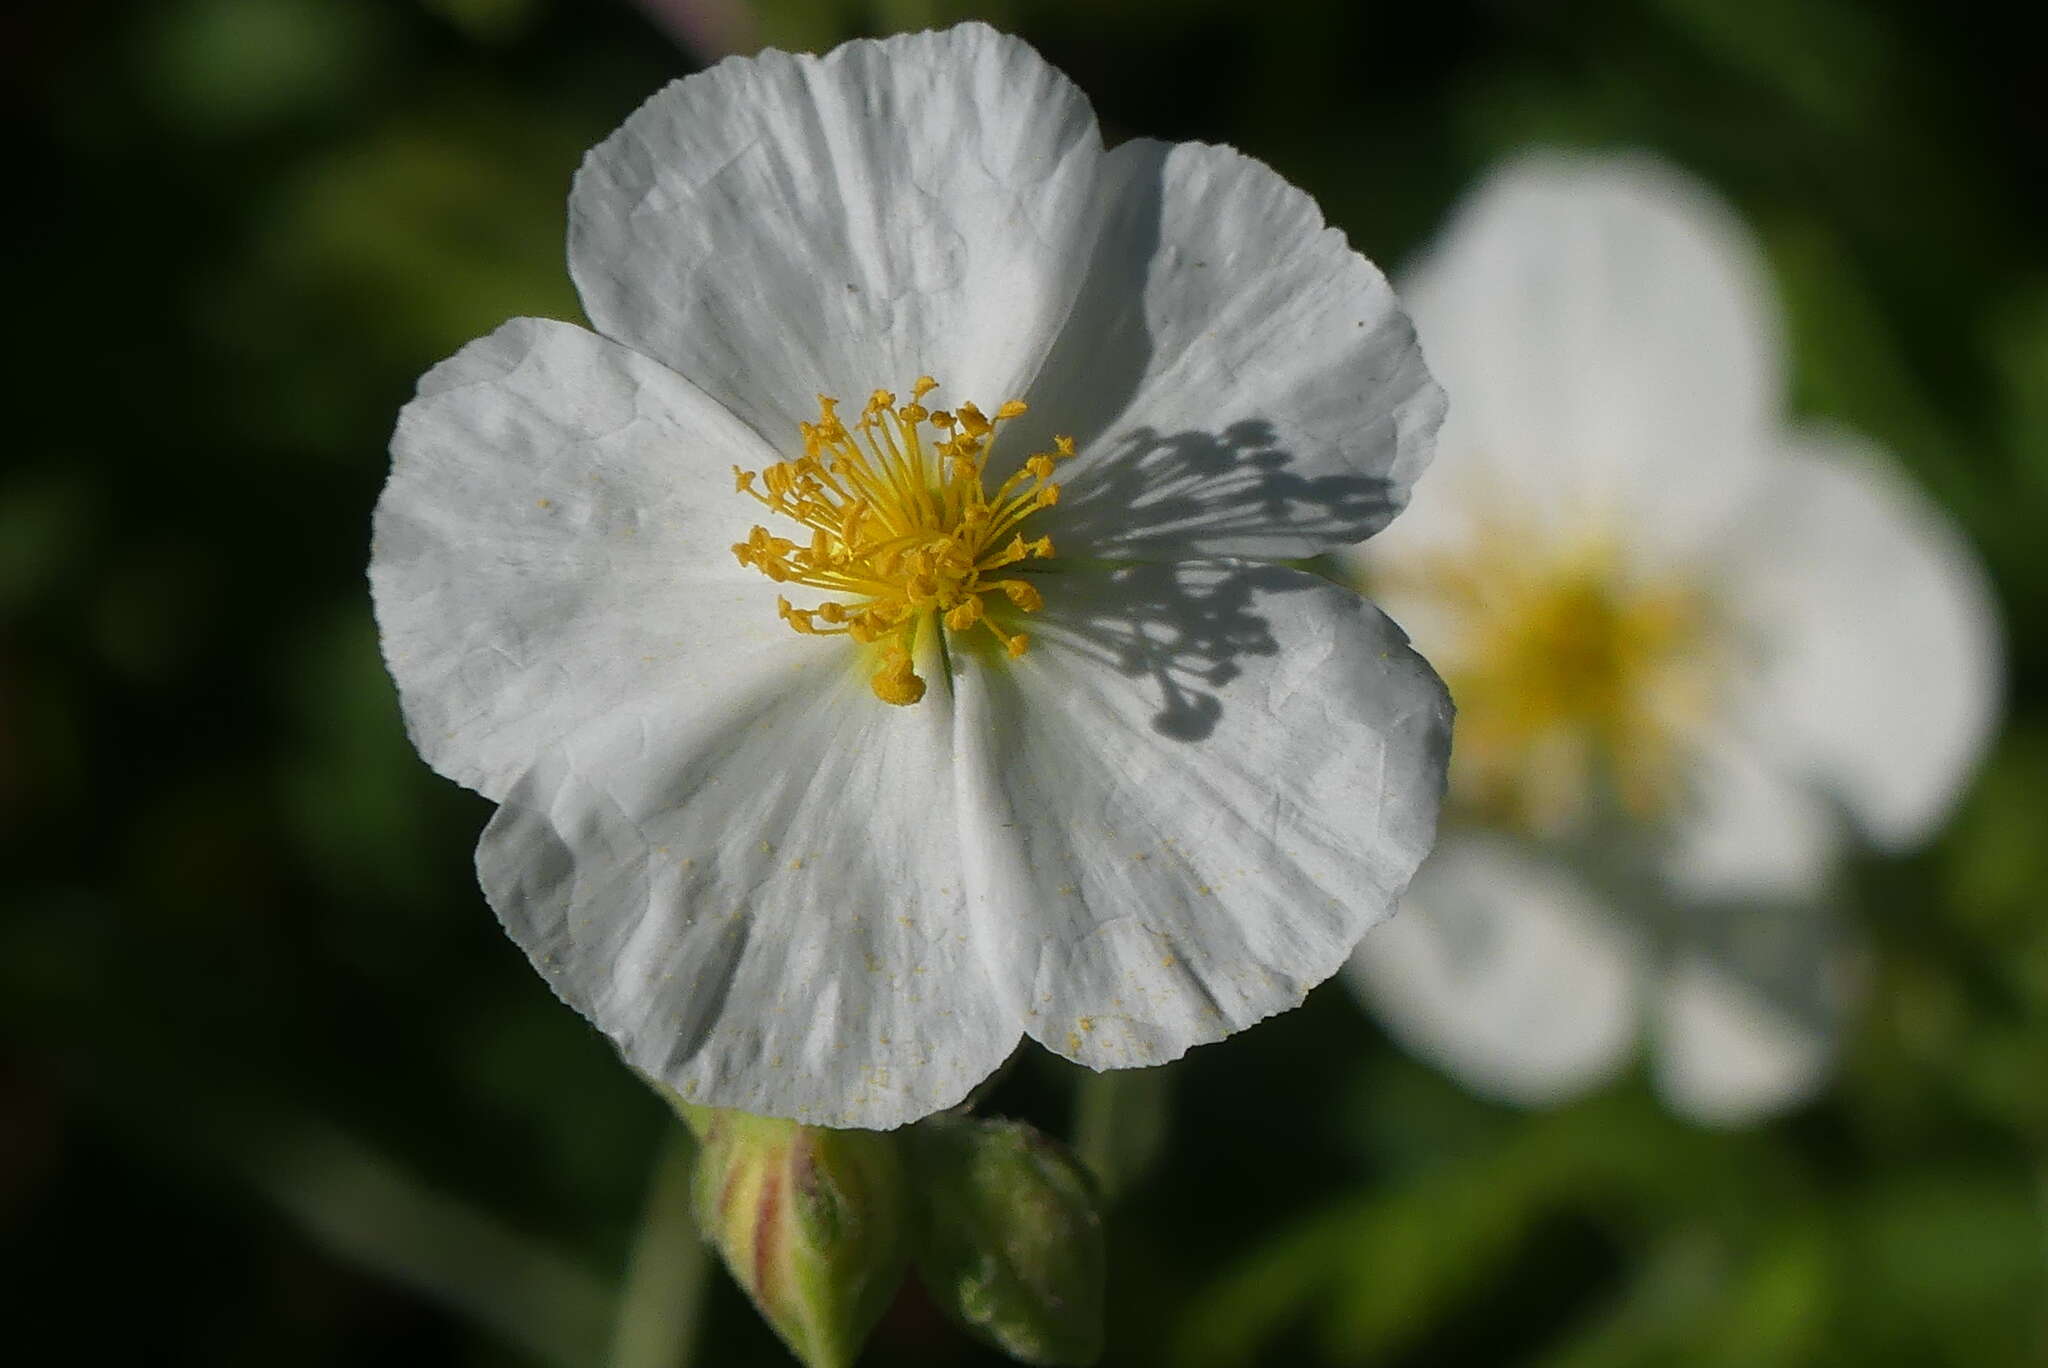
x=1570 y=675
x=903 y=531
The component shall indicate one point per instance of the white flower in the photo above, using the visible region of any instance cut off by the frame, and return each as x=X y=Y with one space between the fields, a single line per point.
x=817 y=820
x=1687 y=641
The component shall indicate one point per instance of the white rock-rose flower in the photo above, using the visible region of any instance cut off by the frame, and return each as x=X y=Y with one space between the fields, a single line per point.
x=874 y=634
x=1692 y=647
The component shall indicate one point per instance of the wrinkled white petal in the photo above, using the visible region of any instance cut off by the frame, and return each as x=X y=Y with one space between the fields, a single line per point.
x=780 y=226
x=775 y=893
x=1727 y=1054
x=1183 y=806
x=1605 y=329
x=1503 y=970
x=761 y=902
x=1879 y=650
x=554 y=546
x=1746 y=828
x=1239 y=380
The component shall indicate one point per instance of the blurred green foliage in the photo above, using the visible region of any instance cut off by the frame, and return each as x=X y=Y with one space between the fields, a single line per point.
x=273 y=1087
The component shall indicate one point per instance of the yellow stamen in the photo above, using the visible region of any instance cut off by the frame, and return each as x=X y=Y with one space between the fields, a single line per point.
x=896 y=682
x=902 y=527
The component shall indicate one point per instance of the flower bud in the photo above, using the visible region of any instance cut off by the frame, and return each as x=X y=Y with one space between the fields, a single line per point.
x=1010 y=1237
x=813 y=1223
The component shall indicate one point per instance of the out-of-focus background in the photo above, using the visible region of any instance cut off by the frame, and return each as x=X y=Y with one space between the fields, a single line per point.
x=275 y=1089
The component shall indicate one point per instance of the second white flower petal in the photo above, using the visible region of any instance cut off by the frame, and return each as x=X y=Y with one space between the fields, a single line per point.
x=1726 y=1053
x=1506 y=970
x=1747 y=827
x=1606 y=328
x=1879 y=640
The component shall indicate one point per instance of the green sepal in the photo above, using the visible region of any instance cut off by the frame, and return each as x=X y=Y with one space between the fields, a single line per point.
x=1009 y=1237
x=813 y=1223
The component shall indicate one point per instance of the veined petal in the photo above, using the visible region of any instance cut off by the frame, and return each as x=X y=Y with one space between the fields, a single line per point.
x=761 y=902
x=1879 y=644
x=783 y=225
x=1181 y=808
x=1240 y=381
x=554 y=546
x=1727 y=1054
x=1504 y=970
x=1605 y=325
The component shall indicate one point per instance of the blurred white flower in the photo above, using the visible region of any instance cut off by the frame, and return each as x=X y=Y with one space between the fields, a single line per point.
x=1071 y=758
x=1689 y=645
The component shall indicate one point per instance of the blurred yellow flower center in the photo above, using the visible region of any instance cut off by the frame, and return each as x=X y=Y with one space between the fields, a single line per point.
x=1570 y=675
x=903 y=532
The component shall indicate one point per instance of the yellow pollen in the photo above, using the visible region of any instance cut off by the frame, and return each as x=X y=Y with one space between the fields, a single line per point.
x=900 y=526
x=1571 y=676
x=896 y=682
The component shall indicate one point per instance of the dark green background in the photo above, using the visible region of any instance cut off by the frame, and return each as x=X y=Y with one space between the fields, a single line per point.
x=275 y=1089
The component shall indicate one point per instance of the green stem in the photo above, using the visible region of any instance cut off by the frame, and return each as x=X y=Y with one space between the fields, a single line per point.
x=364 y=1208
x=665 y=1276
x=1121 y=1120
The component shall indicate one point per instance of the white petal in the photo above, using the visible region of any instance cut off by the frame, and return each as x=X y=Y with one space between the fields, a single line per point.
x=1240 y=381
x=554 y=546
x=1880 y=642
x=783 y=225
x=1728 y=1053
x=1604 y=328
x=1502 y=969
x=1184 y=804
x=1748 y=828
x=761 y=901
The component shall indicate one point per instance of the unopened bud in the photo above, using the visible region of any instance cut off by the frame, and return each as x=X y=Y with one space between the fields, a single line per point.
x=813 y=1223
x=1010 y=1238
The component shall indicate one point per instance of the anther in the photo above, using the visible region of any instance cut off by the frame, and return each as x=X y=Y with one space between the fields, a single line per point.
x=899 y=521
x=896 y=682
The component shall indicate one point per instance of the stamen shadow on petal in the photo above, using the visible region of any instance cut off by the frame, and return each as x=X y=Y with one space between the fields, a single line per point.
x=1161 y=492
x=1154 y=316
x=1183 y=626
